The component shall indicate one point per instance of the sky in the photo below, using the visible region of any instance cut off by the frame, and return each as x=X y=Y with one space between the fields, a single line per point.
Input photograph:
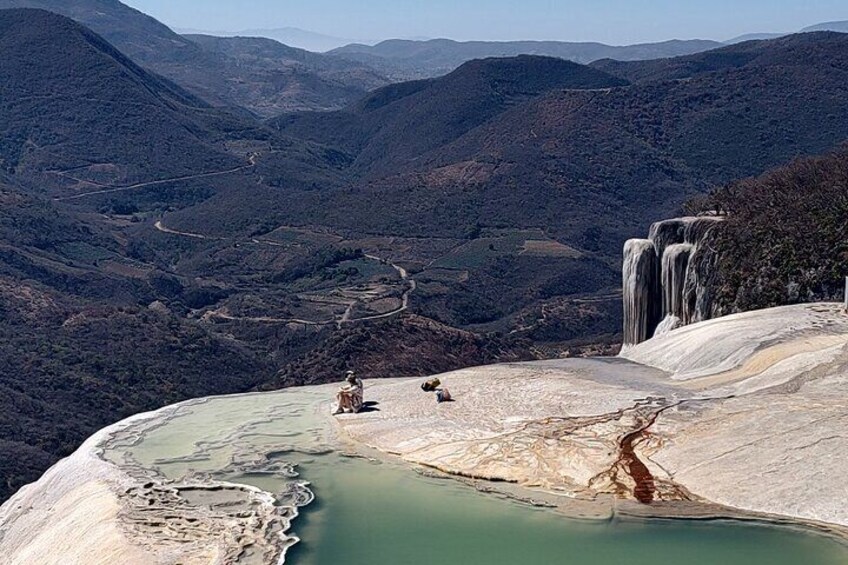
x=609 y=21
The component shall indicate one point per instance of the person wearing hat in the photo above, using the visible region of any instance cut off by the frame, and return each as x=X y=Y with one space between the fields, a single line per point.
x=351 y=395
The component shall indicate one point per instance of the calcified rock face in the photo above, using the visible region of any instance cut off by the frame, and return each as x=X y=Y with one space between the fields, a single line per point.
x=666 y=277
x=640 y=282
x=675 y=262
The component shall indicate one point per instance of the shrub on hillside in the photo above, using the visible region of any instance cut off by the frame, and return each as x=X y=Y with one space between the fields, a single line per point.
x=786 y=236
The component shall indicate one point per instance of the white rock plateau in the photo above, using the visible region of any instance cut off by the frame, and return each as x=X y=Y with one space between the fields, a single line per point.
x=748 y=412
x=742 y=416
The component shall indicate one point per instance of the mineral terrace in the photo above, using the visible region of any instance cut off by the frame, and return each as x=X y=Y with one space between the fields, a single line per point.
x=742 y=416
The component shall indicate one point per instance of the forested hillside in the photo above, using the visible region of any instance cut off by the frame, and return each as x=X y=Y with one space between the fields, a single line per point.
x=785 y=240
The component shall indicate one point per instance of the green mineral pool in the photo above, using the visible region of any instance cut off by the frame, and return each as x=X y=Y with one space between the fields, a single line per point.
x=368 y=512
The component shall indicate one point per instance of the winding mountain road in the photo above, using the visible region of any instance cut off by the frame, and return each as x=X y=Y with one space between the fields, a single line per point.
x=411 y=286
x=267 y=319
x=251 y=163
x=162 y=228
x=404 y=275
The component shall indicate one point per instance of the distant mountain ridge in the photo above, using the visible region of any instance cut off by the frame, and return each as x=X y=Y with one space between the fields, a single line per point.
x=754 y=37
x=405 y=59
x=394 y=125
x=268 y=79
x=793 y=50
x=839 y=26
x=743 y=109
x=292 y=84
x=291 y=36
x=287 y=77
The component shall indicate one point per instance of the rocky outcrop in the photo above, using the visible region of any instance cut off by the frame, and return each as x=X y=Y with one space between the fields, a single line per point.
x=666 y=278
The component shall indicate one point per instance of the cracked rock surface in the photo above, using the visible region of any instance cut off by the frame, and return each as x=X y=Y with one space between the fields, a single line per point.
x=749 y=412
x=744 y=416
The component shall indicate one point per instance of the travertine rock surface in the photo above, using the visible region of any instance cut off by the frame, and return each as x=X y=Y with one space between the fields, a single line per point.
x=666 y=277
x=748 y=411
x=744 y=414
x=640 y=284
x=88 y=509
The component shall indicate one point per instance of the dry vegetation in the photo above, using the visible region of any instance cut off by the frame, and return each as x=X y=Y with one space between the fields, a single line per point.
x=786 y=237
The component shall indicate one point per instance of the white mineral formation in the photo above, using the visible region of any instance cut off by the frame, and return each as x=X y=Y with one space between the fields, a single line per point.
x=673 y=283
x=742 y=416
x=88 y=510
x=746 y=411
x=675 y=261
x=640 y=283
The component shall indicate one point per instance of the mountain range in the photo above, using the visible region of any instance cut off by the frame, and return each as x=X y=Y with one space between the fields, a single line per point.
x=291 y=36
x=683 y=125
x=429 y=114
x=160 y=241
x=268 y=77
x=838 y=26
x=407 y=60
x=475 y=159
x=281 y=79
x=262 y=76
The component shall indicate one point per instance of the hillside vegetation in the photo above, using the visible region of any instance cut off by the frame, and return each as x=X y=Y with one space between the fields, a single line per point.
x=79 y=347
x=225 y=73
x=789 y=50
x=576 y=161
x=69 y=100
x=79 y=116
x=155 y=247
x=478 y=161
x=393 y=127
x=785 y=240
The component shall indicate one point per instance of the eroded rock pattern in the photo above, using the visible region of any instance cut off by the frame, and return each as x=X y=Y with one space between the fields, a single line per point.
x=743 y=415
x=669 y=272
x=747 y=411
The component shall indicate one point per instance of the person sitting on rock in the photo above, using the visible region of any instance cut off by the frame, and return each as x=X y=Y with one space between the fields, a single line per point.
x=435 y=385
x=351 y=395
x=431 y=385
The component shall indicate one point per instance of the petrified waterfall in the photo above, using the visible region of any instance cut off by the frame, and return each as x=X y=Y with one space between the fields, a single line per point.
x=675 y=261
x=640 y=283
x=665 y=278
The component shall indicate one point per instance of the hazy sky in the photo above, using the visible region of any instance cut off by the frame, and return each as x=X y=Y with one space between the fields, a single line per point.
x=611 y=21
